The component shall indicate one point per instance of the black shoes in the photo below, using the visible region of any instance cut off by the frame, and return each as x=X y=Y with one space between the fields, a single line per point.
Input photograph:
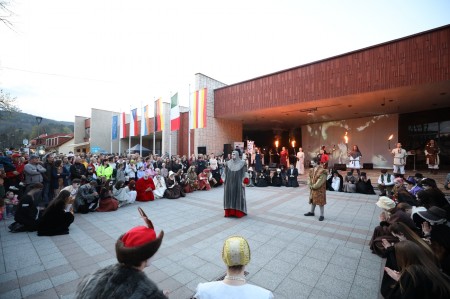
x=321 y=218
x=309 y=214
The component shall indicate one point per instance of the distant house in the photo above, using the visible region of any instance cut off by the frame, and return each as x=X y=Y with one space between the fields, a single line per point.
x=61 y=143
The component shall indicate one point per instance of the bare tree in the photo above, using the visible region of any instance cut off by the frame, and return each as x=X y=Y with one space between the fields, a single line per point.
x=7 y=103
x=5 y=13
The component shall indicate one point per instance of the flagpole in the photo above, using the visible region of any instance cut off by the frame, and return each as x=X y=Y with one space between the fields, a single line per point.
x=129 y=134
x=140 y=130
x=111 y=131
x=120 y=130
x=170 y=127
x=154 y=126
x=189 y=123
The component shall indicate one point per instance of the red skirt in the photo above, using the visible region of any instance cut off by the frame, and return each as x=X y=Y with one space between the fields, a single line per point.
x=234 y=213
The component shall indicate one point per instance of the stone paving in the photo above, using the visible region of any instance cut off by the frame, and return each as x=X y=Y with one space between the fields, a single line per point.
x=292 y=255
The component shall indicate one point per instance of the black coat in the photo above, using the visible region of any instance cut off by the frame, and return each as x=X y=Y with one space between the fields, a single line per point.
x=54 y=222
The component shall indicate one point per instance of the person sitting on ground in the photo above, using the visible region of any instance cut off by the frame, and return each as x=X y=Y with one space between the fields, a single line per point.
x=418 y=277
x=73 y=188
x=27 y=212
x=127 y=278
x=261 y=180
x=145 y=187
x=412 y=186
x=385 y=183
x=349 y=184
x=402 y=232
x=173 y=190
x=335 y=182
x=389 y=215
x=123 y=193
x=87 y=198
x=57 y=217
x=277 y=180
x=203 y=180
x=236 y=256
x=191 y=180
x=107 y=203
x=400 y=194
x=292 y=175
x=364 y=185
x=251 y=177
x=160 y=184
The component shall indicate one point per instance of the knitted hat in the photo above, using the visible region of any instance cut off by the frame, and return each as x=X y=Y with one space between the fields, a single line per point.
x=236 y=251
x=139 y=243
x=386 y=203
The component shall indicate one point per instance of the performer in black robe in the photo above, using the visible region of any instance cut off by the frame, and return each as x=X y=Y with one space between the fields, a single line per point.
x=364 y=185
x=292 y=175
x=261 y=180
x=277 y=179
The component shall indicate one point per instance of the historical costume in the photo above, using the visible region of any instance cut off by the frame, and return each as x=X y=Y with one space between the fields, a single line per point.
x=277 y=180
x=364 y=185
x=160 y=185
x=87 y=198
x=258 y=161
x=399 y=159
x=126 y=279
x=300 y=161
x=203 y=180
x=173 y=190
x=144 y=188
x=385 y=183
x=234 y=187
x=349 y=183
x=123 y=194
x=191 y=180
x=292 y=174
x=335 y=182
x=432 y=154
x=261 y=180
x=355 y=160
x=251 y=176
x=284 y=154
x=317 y=184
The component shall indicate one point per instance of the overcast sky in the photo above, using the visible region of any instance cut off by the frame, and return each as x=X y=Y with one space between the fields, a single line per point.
x=64 y=57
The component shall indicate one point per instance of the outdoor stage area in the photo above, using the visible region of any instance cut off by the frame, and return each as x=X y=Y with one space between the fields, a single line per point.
x=292 y=255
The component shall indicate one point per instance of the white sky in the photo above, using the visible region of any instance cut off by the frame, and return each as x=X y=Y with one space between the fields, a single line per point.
x=65 y=57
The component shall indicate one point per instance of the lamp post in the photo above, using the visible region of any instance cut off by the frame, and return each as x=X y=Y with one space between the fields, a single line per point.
x=38 y=121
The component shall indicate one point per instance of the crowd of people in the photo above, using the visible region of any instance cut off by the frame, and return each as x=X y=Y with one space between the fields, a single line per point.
x=44 y=193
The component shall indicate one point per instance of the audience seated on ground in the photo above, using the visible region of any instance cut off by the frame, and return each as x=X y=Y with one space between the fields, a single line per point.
x=236 y=255
x=107 y=203
x=364 y=185
x=144 y=188
x=418 y=276
x=27 y=211
x=350 y=183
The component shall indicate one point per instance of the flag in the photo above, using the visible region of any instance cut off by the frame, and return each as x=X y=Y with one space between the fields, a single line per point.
x=115 y=120
x=174 y=113
x=198 y=109
x=123 y=131
x=145 y=130
x=134 y=128
x=159 y=117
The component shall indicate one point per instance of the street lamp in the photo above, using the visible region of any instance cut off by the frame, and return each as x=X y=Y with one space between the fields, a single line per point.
x=38 y=121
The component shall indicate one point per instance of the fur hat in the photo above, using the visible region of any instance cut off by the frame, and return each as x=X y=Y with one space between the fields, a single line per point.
x=236 y=251
x=139 y=243
x=385 y=202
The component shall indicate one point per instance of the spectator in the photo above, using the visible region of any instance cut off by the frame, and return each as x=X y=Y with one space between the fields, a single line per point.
x=418 y=277
x=385 y=183
x=127 y=279
x=33 y=171
x=57 y=217
x=87 y=198
x=123 y=194
x=27 y=212
x=235 y=255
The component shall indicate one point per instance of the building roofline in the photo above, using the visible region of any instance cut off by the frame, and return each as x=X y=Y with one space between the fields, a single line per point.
x=340 y=55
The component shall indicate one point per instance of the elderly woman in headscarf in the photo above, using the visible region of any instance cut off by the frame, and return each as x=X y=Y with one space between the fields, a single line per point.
x=191 y=180
x=236 y=178
x=160 y=184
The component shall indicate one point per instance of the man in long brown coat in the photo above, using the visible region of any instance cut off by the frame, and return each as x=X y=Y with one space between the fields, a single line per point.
x=317 y=184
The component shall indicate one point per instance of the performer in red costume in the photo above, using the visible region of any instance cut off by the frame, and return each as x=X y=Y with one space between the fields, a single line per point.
x=145 y=187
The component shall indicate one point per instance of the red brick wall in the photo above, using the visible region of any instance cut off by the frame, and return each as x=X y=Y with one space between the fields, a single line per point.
x=415 y=60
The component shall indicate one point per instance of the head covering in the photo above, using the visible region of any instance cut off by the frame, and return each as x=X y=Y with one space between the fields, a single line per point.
x=410 y=180
x=34 y=157
x=250 y=169
x=383 y=170
x=386 y=203
x=434 y=215
x=363 y=174
x=139 y=243
x=235 y=164
x=418 y=175
x=428 y=182
x=236 y=251
x=171 y=173
x=16 y=155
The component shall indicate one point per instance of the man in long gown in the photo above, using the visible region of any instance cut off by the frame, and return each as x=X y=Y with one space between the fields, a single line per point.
x=234 y=202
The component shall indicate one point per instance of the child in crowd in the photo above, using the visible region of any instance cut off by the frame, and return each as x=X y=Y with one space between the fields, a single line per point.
x=10 y=203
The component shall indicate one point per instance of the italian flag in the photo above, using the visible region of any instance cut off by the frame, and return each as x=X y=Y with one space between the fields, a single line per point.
x=174 y=113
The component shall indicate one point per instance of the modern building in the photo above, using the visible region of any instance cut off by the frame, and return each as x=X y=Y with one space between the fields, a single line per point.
x=399 y=88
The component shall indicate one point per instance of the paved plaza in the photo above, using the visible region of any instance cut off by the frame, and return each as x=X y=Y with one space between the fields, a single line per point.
x=292 y=255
